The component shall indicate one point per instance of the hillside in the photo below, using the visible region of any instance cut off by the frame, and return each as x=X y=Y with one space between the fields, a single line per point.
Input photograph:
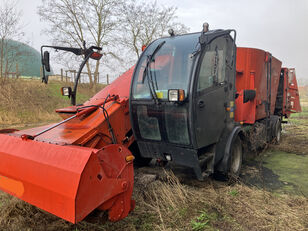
x=24 y=102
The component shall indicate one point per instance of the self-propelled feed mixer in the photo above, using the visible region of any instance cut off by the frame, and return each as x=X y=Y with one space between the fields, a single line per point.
x=192 y=100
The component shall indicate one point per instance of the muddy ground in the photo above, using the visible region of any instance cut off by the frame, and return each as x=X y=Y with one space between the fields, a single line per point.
x=283 y=168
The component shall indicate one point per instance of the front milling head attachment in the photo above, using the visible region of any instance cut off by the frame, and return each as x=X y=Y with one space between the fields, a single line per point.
x=122 y=172
x=68 y=181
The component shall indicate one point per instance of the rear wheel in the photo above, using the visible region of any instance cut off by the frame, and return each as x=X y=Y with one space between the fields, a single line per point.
x=278 y=129
x=236 y=158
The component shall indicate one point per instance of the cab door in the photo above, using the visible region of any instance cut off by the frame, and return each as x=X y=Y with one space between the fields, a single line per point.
x=213 y=90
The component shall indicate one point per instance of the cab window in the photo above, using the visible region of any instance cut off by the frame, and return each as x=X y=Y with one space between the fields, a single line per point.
x=213 y=61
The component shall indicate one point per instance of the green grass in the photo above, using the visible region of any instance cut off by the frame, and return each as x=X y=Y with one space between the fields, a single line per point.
x=30 y=101
x=292 y=169
x=83 y=92
x=302 y=114
x=233 y=192
x=203 y=221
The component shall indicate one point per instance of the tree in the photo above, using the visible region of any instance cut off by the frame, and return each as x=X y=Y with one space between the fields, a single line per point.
x=74 y=21
x=144 y=21
x=10 y=28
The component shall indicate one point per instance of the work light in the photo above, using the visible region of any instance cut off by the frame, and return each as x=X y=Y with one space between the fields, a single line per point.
x=66 y=91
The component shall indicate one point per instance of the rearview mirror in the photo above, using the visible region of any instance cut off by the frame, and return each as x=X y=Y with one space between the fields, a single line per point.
x=249 y=95
x=46 y=61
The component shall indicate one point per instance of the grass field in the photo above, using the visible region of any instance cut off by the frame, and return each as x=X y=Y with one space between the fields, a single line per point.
x=271 y=194
x=24 y=102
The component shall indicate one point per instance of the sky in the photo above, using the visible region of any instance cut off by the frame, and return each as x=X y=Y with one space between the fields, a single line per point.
x=277 y=26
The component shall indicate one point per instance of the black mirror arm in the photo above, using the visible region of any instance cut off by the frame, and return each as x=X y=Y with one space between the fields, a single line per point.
x=76 y=51
x=74 y=92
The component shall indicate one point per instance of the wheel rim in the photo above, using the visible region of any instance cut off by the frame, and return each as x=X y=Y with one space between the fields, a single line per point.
x=236 y=159
x=278 y=136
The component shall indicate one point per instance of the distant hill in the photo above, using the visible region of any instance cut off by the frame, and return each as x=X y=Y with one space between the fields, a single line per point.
x=26 y=57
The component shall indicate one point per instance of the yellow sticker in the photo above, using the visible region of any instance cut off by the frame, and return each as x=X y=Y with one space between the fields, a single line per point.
x=231 y=114
x=160 y=94
x=12 y=186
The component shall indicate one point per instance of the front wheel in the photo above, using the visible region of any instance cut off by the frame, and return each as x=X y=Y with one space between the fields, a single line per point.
x=236 y=158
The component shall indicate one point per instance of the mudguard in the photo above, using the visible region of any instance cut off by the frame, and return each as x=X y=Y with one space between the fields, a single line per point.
x=224 y=164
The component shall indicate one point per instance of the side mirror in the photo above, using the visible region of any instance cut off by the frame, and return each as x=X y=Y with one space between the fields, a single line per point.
x=46 y=61
x=66 y=91
x=249 y=95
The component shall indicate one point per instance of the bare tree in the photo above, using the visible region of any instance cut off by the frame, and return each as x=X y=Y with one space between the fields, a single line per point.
x=74 y=21
x=10 y=28
x=144 y=21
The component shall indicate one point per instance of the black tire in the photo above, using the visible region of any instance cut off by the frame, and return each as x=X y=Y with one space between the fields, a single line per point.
x=235 y=163
x=236 y=158
x=139 y=160
x=277 y=134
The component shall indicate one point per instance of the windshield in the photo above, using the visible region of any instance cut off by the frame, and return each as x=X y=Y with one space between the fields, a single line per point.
x=169 y=68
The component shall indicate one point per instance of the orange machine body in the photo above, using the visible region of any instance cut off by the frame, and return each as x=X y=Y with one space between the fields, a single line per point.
x=291 y=103
x=258 y=70
x=75 y=168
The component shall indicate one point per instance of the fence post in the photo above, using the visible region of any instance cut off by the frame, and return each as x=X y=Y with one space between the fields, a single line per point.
x=61 y=74
x=107 y=79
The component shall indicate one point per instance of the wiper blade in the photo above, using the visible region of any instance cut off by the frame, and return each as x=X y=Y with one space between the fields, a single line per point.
x=150 y=81
x=145 y=72
x=149 y=73
x=151 y=59
x=157 y=49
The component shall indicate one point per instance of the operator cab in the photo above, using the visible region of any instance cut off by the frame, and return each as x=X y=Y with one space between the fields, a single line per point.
x=180 y=90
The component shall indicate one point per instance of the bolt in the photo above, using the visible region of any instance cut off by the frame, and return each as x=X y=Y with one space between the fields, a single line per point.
x=124 y=185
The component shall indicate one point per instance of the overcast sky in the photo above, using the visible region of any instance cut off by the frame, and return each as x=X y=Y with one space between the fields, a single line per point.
x=277 y=26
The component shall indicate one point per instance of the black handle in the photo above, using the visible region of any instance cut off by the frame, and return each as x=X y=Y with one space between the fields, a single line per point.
x=201 y=104
x=95 y=47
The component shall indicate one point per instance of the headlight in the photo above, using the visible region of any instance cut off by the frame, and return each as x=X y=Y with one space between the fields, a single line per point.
x=176 y=95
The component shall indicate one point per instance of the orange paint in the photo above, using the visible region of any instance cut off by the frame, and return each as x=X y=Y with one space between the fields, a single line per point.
x=12 y=186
